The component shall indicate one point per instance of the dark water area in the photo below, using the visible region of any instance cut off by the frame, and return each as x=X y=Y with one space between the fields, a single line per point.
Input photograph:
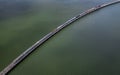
x=23 y=22
x=96 y=52
x=12 y=8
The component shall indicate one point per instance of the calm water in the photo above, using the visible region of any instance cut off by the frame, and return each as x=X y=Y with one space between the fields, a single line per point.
x=96 y=52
